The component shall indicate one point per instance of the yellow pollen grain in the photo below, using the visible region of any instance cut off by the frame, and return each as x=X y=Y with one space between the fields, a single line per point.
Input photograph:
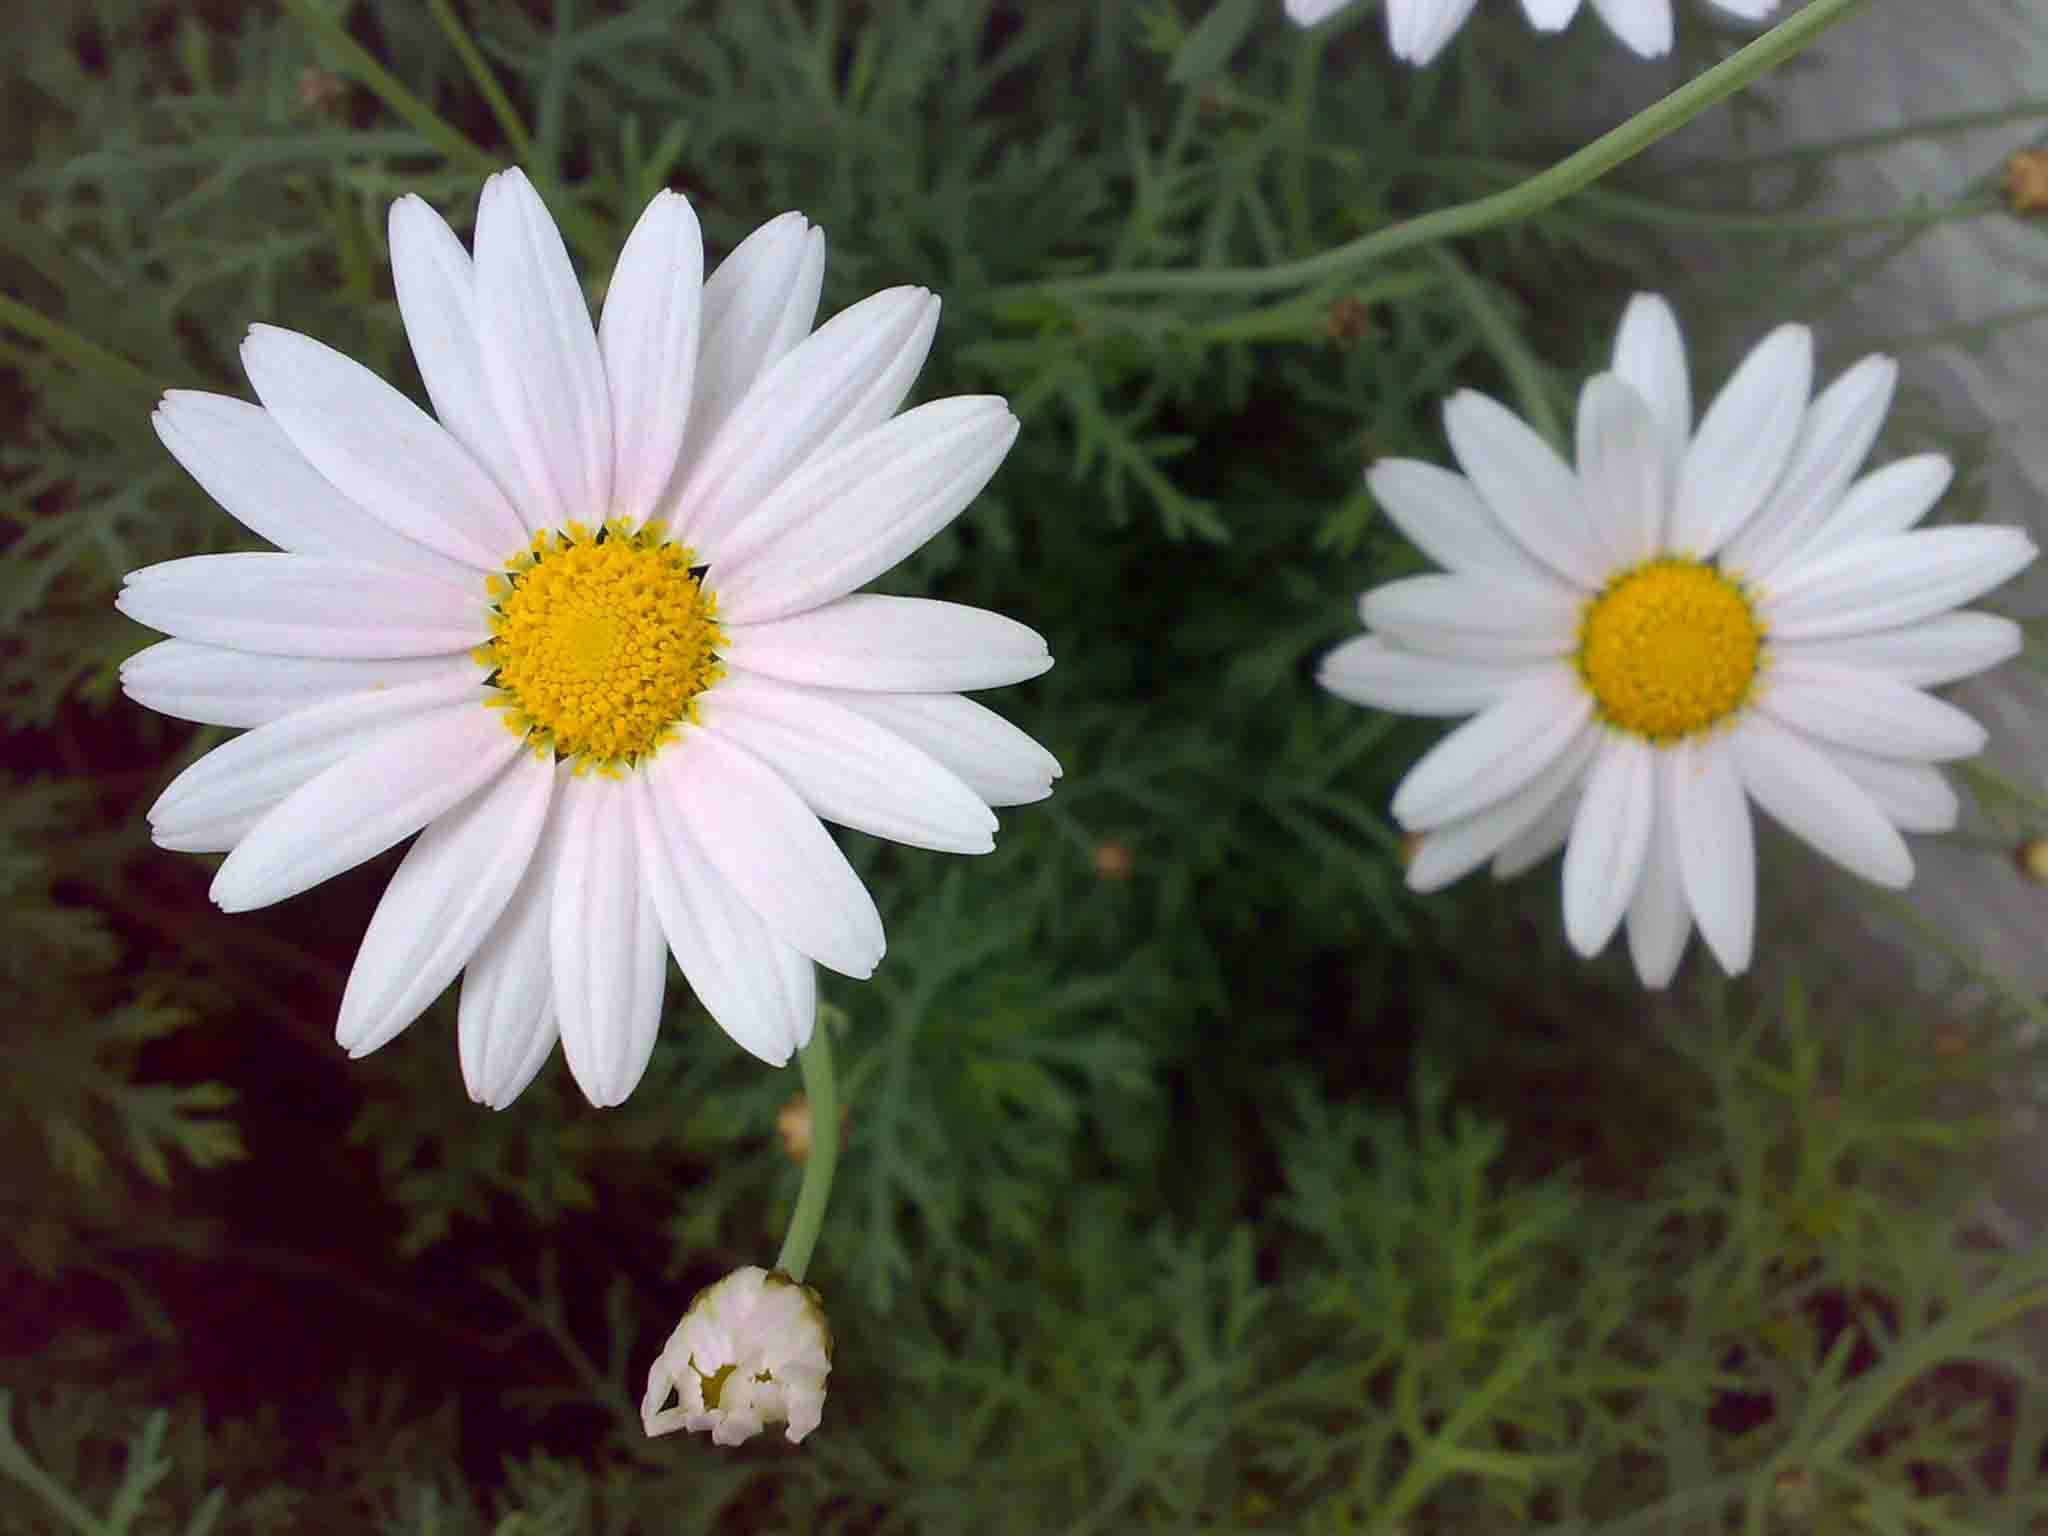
x=1669 y=648
x=600 y=643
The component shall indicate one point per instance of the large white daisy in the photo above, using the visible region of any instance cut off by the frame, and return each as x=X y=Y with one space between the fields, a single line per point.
x=1689 y=621
x=1418 y=29
x=595 y=631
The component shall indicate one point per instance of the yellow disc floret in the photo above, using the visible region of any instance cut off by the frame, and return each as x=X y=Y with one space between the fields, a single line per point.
x=600 y=643
x=1669 y=648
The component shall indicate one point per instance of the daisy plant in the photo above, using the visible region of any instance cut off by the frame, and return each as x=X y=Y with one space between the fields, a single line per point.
x=1418 y=29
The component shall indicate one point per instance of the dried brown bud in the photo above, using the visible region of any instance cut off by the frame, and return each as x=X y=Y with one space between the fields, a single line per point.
x=2026 y=180
x=319 y=89
x=1411 y=845
x=1347 y=321
x=1113 y=859
x=793 y=1125
x=2032 y=858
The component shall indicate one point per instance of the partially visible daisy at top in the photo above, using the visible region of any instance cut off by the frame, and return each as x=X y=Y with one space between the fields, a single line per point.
x=595 y=630
x=1692 y=619
x=1419 y=29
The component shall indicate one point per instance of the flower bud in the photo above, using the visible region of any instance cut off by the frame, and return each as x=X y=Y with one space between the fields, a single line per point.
x=753 y=1350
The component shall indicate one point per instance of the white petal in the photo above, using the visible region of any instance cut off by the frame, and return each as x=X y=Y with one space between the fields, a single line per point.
x=1366 y=670
x=1457 y=848
x=1306 y=13
x=996 y=760
x=1818 y=802
x=447 y=893
x=769 y=846
x=1743 y=442
x=1528 y=487
x=1644 y=25
x=1551 y=15
x=648 y=336
x=505 y=1018
x=1716 y=847
x=371 y=799
x=1465 y=618
x=1495 y=753
x=1444 y=517
x=1649 y=352
x=1884 y=583
x=244 y=461
x=890 y=644
x=304 y=605
x=1622 y=473
x=540 y=355
x=1916 y=796
x=218 y=686
x=1610 y=840
x=1867 y=712
x=1659 y=921
x=1543 y=836
x=1748 y=10
x=1418 y=29
x=1927 y=654
x=380 y=450
x=852 y=513
x=1883 y=502
x=759 y=990
x=849 y=769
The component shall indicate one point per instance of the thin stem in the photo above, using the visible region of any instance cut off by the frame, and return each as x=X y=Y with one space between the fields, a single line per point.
x=822 y=1093
x=68 y=344
x=1507 y=343
x=509 y=122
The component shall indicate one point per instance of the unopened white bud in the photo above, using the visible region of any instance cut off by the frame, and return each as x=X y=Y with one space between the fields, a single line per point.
x=753 y=1350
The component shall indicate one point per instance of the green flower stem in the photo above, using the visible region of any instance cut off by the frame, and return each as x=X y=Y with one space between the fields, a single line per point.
x=1505 y=339
x=1613 y=148
x=822 y=1092
x=66 y=343
x=479 y=71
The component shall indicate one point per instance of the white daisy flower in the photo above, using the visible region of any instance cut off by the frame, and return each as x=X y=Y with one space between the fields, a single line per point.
x=595 y=631
x=1691 y=620
x=1418 y=29
x=752 y=1350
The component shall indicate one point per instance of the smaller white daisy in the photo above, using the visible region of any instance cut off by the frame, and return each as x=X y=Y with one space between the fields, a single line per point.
x=1691 y=620
x=1419 y=29
x=752 y=1350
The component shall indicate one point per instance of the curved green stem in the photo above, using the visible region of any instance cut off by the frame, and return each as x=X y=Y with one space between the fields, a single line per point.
x=822 y=1091
x=78 y=350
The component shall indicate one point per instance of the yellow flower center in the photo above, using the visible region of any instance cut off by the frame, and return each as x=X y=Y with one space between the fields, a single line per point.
x=1668 y=648
x=600 y=643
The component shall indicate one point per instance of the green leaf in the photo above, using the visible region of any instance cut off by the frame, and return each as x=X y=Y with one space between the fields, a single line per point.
x=1214 y=39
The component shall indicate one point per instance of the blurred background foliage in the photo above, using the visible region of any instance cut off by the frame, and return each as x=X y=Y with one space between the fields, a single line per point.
x=1197 y=1178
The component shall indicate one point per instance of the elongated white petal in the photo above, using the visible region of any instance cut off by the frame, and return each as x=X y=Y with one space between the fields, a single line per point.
x=1916 y=796
x=1743 y=443
x=371 y=799
x=853 y=512
x=850 y=770
x=1451 y=851
x=1716 y=847
x=1622 y=472
x=1818 y=802
x=1527 y=486
x=540 y=354
x=999 y=762
x=1610 y=840
x=1644 y=25
x=759 y=990
x=1659 y=919
x=1444 y=517
x=304 y=605
x=242 y=459
x=1551 y=15
x=380 y=450
x=505 y=1016
x=874 y=643
x=1885 y=501
x=1367 y=670
x=1494 y=753
x=449 y=890
x=1884 y=583
x=1748 y=10
x=1306 y=13
x=1418 y=29
x=217 y=686
x=1927 y=654
x=1867 y=712
x=771 y=849
x=605 y=947
x=1542 y=837
x=1463 y=618
x=1649 y=352
x=648 y=337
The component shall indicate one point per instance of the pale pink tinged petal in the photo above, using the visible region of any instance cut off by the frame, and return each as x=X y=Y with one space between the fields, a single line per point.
x=305 y=605
x=380 y=450
x=1867 y=712
x=1643 y=25
x=1366 y=670
x=1465 y=618
x=242 y=459
x=605 y=945
x=1528 y=487
x=1916 y=796
x=540 y=354
x=1551 y=15
x=1418 y=29
x=436 y=285
x=448 y=891
x=217 y=686
x=875 y=643
x=772 y=850
x=1610 y=840
x=1494 y=754
x=1743 y=443
x=1622 y=473
x=365 y=803
x=1716 y=847
x=1806 y=793
x=1306 y=13
x=1833 y=443
x=1444 y=517
x=505 y=1016
x=854 y=512
x=1934 y=651
x=1649 y=352
x=1659 y=921
x=1884 y=502
x=999 y=762
x=1884 y=583
x=1543 y=836
x=1454 y=850
x=849 y=769
x=648 y=337
x=214 y=834
x=759 y=990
